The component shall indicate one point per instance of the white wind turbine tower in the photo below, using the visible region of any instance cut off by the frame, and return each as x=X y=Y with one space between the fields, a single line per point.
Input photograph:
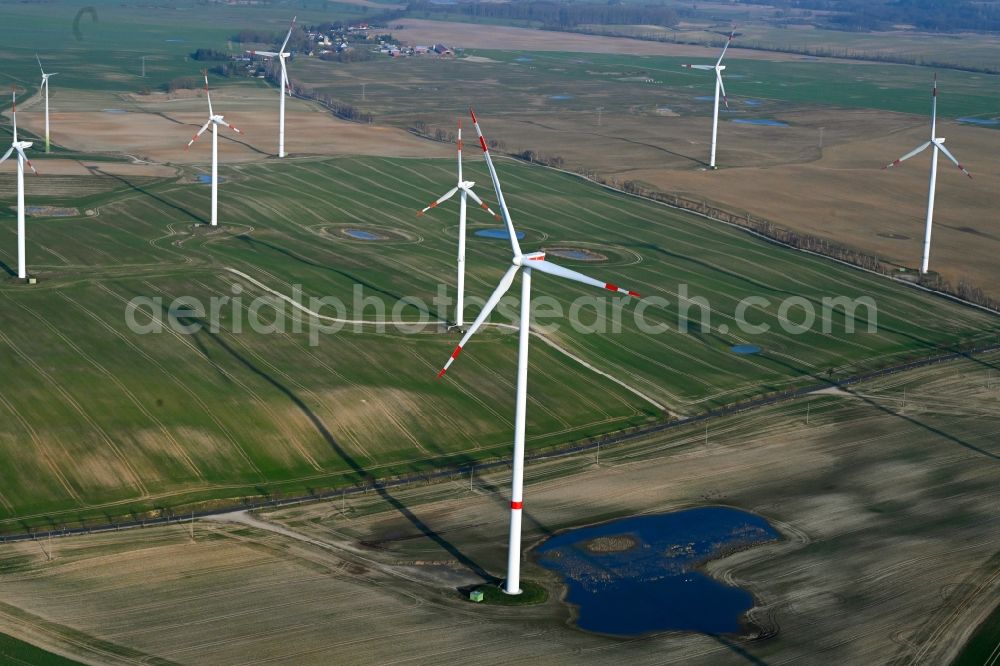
x=938 y=143
x=22 y=159
x=526 y=263
x=213 y=120
x=45 y=87
x=281 y=55
x=465 y=187
x=719 y=88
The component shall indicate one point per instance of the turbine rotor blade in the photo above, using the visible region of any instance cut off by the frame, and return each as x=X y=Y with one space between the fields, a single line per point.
x=726 y=47
x=722 y=87
x=475 y=197
x=208 y=94
x=27 y=161
x=951 y=157
x=200 y=132
x=444 y=197
x=706 y=67
x=288 y=36
x=6 y=155
x=555 y=269
x=915 y=151
x=934 y=110
x=491 y=303
x=496 y=186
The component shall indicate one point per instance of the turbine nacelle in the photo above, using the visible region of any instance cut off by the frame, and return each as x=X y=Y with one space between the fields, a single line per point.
x=525 y=259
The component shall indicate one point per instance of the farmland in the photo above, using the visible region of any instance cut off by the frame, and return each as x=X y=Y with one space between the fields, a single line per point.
x=162 y=367
x=885 y=496
x=234 y=415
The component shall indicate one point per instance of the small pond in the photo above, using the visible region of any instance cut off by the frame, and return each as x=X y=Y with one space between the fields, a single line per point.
x=760 y=121
x=642 y=574
x=745 y=349
x=497 y=233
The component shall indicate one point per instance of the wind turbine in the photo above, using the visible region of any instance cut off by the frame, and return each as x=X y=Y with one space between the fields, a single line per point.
x=526 y=263
x=285 y=86
x=719 y=87
x=213 y=120
x=45 y=87
x=465 y=187
x=22 y=159
x=938 y=143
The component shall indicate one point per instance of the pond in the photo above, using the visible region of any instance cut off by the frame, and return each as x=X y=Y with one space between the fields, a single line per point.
x=980 y=121
x=641 y=574
x=760 y=121
x=498 y=233
x=206 y=178
x=560 y=98
x=360 y=234
x=745 y=349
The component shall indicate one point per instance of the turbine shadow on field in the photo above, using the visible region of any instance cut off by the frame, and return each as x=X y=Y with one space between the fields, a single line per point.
x=496 y=494
x=885 y=410
x=7 y=269
x=737 y=649
x=324 y=432
x=157 y=197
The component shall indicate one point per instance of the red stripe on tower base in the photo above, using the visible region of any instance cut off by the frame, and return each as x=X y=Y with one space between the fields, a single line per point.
x=482 y=142
x=611 y=287
x=458 y=350
x=516 y=505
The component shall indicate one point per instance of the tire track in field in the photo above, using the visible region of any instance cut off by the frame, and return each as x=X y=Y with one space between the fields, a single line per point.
x=550 y=343
x=184 y=387
x=263 y=404
x=263 y=362
x=135 y=479
x=174 y=444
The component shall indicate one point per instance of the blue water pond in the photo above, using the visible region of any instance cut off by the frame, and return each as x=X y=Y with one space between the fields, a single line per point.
x=641 y=575
x=760 y=121
x=745 y=349
x=497 y=233
x=206 y=179
x=114 y=111
x=524 y=59
x=980 y=121
x=361 y=234
x=705 y=98
x=574 y=254
x=560 y=97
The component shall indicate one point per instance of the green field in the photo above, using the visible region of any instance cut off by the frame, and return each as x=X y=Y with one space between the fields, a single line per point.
x=541 y=83
x=984 y=646
x=15 y=652
x=116 y=422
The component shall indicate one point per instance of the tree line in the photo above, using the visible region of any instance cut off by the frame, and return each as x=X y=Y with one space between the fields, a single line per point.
x=555 y=13
x=868 y=15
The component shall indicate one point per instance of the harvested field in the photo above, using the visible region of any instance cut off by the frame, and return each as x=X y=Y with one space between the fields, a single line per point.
x=869 y=571
x=157 y=128
x=507 y=38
